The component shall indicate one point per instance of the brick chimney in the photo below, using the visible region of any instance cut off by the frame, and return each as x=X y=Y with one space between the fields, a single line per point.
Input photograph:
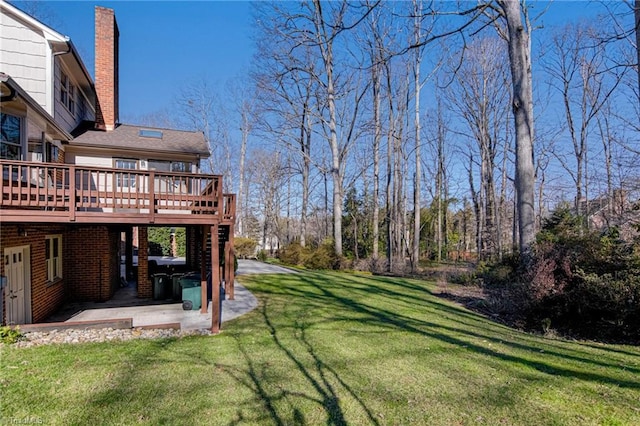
x=106 y=71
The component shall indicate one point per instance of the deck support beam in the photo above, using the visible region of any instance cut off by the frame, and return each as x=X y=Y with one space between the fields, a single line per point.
x=203 y=271
x=215 y=280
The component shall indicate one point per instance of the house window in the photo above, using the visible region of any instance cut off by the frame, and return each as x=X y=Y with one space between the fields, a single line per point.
x=180 y=166
x=170 y=166
x=53 y=256
x=35 y=151
x=64 y=87
x=72 y=99
x=53 y=152
x=10 y=137
x=67 y=93
x=126 y=180
x=168 y=183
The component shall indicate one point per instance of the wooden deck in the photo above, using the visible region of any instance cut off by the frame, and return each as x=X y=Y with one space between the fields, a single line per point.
x=66 y=193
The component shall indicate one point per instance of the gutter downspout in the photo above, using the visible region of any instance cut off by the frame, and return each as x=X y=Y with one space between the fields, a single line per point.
x=52 y=99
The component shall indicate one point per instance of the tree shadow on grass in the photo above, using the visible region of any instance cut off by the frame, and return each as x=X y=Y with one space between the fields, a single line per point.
x=329 y=397
x=320 y=377
x=471 y=320
x=396 y=320
x=116 y=397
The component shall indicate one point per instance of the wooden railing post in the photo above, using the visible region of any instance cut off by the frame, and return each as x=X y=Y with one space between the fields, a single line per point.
x=72 y=193
x=220 y=199
x=152 y=197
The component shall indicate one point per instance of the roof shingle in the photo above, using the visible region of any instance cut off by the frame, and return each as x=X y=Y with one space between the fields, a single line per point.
x=126 y=136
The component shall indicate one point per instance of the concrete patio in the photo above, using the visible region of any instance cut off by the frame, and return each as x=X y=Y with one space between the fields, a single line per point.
x=147 y=312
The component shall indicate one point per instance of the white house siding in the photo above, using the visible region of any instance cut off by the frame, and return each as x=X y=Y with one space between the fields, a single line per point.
x=90 y=161
x=61 y=114
x=24 y=57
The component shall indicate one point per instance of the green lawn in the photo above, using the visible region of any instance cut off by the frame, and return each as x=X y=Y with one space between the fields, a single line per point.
x=330 y=348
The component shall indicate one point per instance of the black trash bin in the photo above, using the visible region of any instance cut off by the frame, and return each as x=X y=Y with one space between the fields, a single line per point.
x=161 y=284
x=176 y=289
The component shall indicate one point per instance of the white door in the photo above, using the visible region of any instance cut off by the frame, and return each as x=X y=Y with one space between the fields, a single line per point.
x=16 y=301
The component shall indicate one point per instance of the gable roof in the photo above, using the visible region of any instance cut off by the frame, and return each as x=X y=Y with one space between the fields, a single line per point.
x=60 y=45
x=12 y=90
x=128 y=137
x=48 y=33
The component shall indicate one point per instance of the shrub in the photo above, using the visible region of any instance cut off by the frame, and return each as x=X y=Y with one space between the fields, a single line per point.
x=607 y=305
x=262 y=255
x=10 y=335
x=323 y=257
x=245 y=247
x=582 y=283
x=292 y=254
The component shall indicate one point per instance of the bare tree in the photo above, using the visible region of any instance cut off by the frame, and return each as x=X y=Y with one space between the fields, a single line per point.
x=578 y=70
x=246 y=111
x=377 y=51
x=637 y=19
x=269 y=176
x=519 y=41
x=287 y=86
x=517 y=32
x=317 y=28
x=417 y=28
x=441 y=192
x=477 y=97
x=197 y=106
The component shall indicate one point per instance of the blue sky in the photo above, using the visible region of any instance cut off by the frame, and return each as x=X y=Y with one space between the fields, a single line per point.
x=165 y=44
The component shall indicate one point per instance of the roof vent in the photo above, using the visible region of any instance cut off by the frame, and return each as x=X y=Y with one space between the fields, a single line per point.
x=146 y=133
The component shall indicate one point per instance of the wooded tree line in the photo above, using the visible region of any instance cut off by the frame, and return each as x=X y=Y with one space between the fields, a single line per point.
x=411 y=130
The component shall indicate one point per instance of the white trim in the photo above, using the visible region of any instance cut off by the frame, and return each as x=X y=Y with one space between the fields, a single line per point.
x=49 y=33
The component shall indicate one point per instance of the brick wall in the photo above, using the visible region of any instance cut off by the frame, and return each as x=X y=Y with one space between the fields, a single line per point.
x=144 y=282
x=46 y=297
x=92 y=264
x=106 y=68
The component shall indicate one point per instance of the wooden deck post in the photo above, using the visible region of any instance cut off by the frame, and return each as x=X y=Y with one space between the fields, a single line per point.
x=232 y=273
x=228 y=265
x=215 y=280
x=203 y=272
x=232 y=254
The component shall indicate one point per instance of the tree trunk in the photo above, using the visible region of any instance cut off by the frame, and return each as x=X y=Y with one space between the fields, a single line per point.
x=520 y=61
x=326 y=48
x=376 y=160
x=305 y=145
x=637 y=16
x=390 y=174
x=415 y=255
x=243 y=155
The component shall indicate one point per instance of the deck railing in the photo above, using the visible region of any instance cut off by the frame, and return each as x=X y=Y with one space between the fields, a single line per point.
x=80 y=189
x=229 y=211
